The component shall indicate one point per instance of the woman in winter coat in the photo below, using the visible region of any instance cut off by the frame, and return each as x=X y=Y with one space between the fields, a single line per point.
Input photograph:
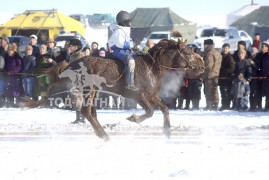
x=28 y=78
x=13 y=66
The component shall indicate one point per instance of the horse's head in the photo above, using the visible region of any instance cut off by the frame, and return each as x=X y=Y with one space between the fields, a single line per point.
x=189 y=59
x=171 y=54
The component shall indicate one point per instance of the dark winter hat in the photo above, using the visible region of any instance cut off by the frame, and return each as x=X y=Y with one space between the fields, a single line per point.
x=95 y=43
x=242 y=43
x=257 y=34
x=265 y=43
x=75 y=42
x=208 y=42
x=225 y=45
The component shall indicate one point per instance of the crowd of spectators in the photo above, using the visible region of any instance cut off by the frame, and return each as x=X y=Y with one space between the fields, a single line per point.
x=240 y=79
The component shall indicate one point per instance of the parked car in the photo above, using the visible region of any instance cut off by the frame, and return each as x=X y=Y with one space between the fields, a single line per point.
x=220 y=36
x=21 y=41
x=62 y=38
x=157 y=36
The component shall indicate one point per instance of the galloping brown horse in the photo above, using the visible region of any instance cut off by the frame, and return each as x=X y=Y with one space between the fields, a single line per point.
x=165 y=56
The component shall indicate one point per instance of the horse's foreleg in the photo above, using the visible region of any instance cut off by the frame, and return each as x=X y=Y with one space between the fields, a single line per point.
x=144 y=103
x=166 y=126
x=90 y=113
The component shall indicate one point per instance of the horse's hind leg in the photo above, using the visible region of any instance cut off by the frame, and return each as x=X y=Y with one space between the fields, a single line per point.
x=166 y=126
x=144 y=103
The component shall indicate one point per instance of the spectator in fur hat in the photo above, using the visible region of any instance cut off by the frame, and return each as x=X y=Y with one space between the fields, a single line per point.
x=74 y=50
x=51 y=44
x=212 y=59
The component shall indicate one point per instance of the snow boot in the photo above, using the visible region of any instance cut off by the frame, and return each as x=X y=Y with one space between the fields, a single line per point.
x=79 y=118
x=129 y=75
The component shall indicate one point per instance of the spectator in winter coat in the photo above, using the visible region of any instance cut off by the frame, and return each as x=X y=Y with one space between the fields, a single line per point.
x=42 y=62
x=255 y=97
x=51 y=44
x=13 y=66
x=29 y=67
x=243 y=66
x=225 y=77
x=86 y=51
x=240 y=92
x=184 y=95
x=2 y=82
x=121 y=43
x=194 y=88
x=149 y=45
x=257 y=43
x=95 y=49
x=240 y=45
x=4 y=46
x=265 y=73
x=210 y=76
x=33 y=43
x=57 y=55
x=74 y=50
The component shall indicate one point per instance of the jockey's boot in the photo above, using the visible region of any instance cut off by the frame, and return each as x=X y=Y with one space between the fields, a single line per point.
x=129 y=75
x=79 y=118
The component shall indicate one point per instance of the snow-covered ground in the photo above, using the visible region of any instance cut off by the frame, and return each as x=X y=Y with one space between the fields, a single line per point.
x=42 y=144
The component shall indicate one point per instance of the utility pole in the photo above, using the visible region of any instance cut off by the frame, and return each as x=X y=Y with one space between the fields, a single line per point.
x=252 y=2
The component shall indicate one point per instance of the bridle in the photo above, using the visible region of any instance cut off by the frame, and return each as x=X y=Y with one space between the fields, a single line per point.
x=189 y=66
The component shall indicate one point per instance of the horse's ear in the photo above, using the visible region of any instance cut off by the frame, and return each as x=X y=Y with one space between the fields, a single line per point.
x=180 y=39
x=185 y=41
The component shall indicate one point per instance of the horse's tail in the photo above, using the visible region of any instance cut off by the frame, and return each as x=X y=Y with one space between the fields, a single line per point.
x=53 y=72
x=27 y=102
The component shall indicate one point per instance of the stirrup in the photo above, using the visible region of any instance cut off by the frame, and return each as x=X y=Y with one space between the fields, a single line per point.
x=132 y=87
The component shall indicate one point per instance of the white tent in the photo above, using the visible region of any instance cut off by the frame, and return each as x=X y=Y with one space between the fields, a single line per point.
x=234 y=16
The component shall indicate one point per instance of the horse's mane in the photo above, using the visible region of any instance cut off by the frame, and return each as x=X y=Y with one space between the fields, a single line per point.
x=163 y=45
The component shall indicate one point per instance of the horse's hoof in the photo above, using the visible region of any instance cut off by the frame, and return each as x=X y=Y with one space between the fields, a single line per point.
x=133 y=118
x=106 y=138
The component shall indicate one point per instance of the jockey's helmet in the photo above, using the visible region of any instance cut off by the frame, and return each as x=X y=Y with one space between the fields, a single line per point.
x=123 y=18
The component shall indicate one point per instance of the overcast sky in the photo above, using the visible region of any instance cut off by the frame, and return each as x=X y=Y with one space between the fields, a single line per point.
x=192 y=10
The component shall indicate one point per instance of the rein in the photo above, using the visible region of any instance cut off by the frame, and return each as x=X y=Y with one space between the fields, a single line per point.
x=112 y=81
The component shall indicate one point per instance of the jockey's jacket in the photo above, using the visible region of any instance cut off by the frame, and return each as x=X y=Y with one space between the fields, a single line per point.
x=120 y=42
